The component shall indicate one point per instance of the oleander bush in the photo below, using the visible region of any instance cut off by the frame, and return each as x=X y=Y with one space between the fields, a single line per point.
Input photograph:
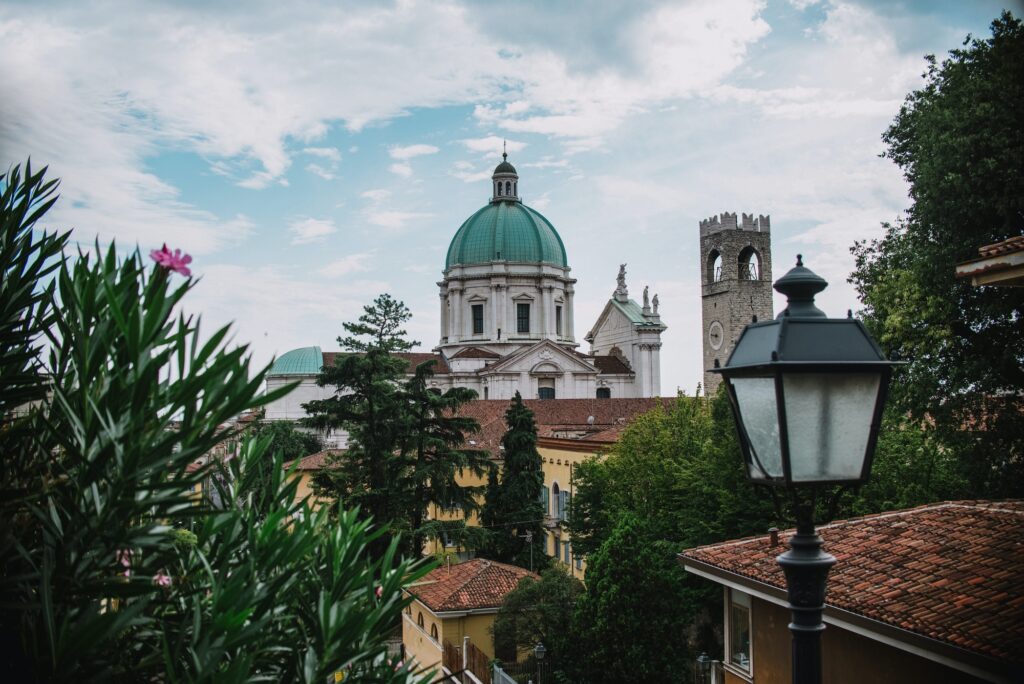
x=114 y=565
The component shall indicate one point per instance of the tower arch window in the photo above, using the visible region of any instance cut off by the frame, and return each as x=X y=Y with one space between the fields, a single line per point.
x=749 y=264
x=515 y=188
x=508 y=187
x=497 y=190
x=714 y=266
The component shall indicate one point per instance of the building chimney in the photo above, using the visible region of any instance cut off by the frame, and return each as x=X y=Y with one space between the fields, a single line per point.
x=773 y=539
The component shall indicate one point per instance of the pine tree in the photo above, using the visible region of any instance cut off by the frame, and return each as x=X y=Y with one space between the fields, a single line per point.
x=436 y=457
x=512 y=509
x=369 y=404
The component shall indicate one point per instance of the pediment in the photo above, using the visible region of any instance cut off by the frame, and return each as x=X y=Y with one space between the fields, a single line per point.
x=542 y=358
x=611 y=318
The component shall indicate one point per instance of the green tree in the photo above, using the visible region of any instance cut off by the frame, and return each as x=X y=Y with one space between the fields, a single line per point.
x=286 y=440
x=632 y=620
x=958 y=141
x=540 y=611
x=512 y=503
x=369 y=404
x=435 y=447
x=111 y=569
x=406 y=441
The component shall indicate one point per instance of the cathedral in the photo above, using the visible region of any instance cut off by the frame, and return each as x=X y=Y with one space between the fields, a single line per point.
x=507 y=320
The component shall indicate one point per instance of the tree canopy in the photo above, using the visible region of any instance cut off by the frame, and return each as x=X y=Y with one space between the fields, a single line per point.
x=959 y=140
x=405 y=439
x=512 y=503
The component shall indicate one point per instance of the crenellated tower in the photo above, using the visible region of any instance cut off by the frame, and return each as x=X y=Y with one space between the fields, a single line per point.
x=736 y=283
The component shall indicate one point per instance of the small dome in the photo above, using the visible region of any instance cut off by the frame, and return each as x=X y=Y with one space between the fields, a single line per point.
x=506 y=231
x=304 y=361
x=504 y=167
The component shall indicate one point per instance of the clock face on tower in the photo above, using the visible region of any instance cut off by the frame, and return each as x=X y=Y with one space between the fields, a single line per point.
x=716 y=335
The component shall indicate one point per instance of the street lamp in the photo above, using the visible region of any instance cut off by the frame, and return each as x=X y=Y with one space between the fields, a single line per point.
x=538 y=653
x=807 y=394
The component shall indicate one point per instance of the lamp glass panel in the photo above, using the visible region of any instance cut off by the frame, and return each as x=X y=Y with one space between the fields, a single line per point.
x=828 y=421
x=759 y=413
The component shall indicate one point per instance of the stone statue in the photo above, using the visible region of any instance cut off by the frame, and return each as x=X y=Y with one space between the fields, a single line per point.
x=647 y=301
x=622 y=277
x=655 y=303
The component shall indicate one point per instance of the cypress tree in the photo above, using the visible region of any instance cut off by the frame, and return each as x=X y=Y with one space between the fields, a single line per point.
x=512 y=508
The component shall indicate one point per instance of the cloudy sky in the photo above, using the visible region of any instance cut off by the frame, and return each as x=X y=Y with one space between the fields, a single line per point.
x=312 y=155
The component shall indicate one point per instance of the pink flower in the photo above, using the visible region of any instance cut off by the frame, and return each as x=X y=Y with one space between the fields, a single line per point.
x=172 y=261
x=124 y=557
x=162 y=580
x=380 y=591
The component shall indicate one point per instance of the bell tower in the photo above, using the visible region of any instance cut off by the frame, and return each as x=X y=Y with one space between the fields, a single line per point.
x=736 y=284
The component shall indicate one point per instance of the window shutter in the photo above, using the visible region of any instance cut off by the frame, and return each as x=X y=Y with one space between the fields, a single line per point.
x=544 y=500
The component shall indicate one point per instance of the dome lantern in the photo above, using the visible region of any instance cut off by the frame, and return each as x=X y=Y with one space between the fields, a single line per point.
x=505 y=180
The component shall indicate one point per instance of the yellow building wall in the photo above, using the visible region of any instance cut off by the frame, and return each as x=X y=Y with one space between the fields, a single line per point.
x=559 y=465
x=427 y=652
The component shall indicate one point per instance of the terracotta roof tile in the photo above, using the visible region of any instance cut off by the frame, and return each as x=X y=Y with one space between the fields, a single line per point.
x=472 y=585
x=1014 y=244
x=315 y=461
x=953 y=571
x=610 y=364
x=476 y=353
x=556 y=416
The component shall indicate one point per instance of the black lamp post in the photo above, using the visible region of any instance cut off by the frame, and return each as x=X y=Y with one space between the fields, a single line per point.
x=538 y=653
x=807 y=393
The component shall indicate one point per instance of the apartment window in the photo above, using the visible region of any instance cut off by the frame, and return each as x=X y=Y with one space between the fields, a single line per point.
x=737 y=615
x=478 y=319
x=579 y=562
x=555 y=498
x=544 y=499
x=604 y=392
x=563 y=505
x=433 y=632
x=558 y=321
x=523 y=318
x=566 y=553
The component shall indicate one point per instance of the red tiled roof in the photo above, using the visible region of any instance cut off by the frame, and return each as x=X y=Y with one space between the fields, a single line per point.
x=472 y=585
x=556 y=416
x=610 y=364
x=951 y=571
x=314 y=461
x=1014 y=244
x=476 y=353
x=414 y=359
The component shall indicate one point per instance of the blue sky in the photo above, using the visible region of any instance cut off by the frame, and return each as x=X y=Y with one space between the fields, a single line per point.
x=312 y=155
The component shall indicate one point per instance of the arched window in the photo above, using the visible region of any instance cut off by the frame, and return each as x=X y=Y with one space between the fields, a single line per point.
x=554 y=500
x=749 y=264
x=419 y=620
x=604 y=392
x=714 y=266
x=508 y=187
x=497 y=192
x=433 y=632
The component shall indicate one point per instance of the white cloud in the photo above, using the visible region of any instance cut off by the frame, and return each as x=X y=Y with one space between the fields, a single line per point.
x=376 y=194
x=403 y=170
x=492 y=144
x=329 y=153
x=318 y=170
x=353 y=263
x=410 y=151
x=309 y=230
x=392 y=220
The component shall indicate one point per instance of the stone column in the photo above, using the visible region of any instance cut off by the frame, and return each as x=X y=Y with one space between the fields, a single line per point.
x=444 y=315
x=456 y=304
x=492 y=304
x=548 y=325
x=569 y=319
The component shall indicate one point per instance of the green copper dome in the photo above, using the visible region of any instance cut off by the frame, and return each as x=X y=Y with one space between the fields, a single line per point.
x=506 y=231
